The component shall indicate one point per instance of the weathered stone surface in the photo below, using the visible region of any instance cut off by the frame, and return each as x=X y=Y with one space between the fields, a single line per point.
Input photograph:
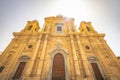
x=30 y=55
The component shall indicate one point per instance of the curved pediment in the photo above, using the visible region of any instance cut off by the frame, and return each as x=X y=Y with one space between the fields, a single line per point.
x=58 y=50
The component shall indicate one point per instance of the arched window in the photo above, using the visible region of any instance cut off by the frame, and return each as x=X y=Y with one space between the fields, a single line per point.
x=58 y=69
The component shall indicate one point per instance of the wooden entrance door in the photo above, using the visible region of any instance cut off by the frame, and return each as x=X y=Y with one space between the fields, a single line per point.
x=19 y=70
x=58 y=70
x=97 y=72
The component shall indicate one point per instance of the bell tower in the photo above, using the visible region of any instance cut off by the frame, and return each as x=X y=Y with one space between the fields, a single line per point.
x=31 y=26
x=86 y=28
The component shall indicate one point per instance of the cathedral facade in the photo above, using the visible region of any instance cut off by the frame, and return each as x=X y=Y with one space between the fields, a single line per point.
x=58 y=51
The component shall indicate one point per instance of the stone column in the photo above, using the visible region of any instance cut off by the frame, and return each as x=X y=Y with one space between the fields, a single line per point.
x=40 y=64
x=76 y=65
x=84 y=62
x=42 y=55
x=29 y=71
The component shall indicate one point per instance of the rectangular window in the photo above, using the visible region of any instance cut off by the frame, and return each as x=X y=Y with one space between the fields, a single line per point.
x=96 y=71
x=1 y=68
x=59 y=28
x=19 y=70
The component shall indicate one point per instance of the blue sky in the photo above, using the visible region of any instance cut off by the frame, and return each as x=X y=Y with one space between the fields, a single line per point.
x=104 y=15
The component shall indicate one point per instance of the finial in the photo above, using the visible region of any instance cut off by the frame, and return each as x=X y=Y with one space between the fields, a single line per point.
x=59 y=15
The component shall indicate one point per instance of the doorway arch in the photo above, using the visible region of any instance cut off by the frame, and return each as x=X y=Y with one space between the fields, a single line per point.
x=58 y=69
x=64 y=53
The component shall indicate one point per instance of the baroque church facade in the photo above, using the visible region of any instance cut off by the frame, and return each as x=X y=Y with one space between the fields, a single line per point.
x=58 y=51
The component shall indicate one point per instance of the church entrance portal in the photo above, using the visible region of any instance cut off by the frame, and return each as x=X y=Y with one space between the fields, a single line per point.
x=58 y=69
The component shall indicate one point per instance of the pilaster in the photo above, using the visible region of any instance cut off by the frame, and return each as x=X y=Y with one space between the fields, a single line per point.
x=30 y=67
x=75 y=59
x=85 y=71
